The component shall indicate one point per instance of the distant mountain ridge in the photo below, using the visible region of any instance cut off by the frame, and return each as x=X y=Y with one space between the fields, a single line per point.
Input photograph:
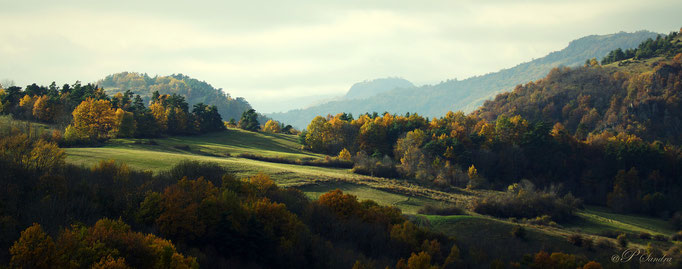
x=468 y=94
x=371 y=88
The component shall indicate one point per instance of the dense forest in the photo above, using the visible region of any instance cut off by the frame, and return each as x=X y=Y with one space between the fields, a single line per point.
x=88 y=217
x=193 y=90
x=603 y=134
x=90 y=115
x=595 y=99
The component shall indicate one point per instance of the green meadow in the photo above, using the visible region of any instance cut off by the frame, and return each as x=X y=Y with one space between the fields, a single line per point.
x=225 y=147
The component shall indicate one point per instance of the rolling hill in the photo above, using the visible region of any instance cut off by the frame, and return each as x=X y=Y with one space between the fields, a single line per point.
x=370 y=88
x=193 y=90
x=639 y=96
x=468 y=94
x=223 y=148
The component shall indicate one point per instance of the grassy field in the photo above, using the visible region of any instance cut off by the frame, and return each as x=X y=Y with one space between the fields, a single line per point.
x=163 y=153
x=224 y=148
x=599 y=219
x=408 y=204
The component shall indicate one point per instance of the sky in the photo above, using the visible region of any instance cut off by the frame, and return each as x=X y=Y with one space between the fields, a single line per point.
x=281 y=54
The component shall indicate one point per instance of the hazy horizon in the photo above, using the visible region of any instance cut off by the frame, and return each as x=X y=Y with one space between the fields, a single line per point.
x=271 y=52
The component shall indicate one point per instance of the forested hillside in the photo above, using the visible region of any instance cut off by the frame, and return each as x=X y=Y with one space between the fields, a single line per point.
x=639 y=95
x=193 y=90
x=607 y=134
x=468 y=94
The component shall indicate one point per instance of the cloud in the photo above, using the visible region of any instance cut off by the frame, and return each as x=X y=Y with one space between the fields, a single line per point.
x=265 y=50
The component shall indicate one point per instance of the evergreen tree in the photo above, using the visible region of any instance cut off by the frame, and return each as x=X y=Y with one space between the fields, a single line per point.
x=249 y=120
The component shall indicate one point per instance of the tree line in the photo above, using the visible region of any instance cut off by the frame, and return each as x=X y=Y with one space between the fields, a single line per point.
x=91 y=115
x=194 y=91
x=663 y=44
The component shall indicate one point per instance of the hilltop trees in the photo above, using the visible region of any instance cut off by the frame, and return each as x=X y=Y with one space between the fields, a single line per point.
x=207 y=119
x=195 y=91
x=249 y=121
x=661 y=45
x=92 y=116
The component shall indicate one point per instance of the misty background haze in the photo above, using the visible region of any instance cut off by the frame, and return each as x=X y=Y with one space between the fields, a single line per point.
x=282 y=55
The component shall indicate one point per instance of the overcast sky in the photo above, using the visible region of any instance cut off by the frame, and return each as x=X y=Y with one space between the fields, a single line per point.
x=270 y=51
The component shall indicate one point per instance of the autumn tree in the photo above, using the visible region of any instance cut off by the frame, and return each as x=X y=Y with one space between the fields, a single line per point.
x=625 y=190
x=408 y=151
x=421 y=260
x=125 y=123
x=160 y=115
x=475 y=180
x=112 y=244
x=26 y=105
x=94 y=119
x=345 y=155
x=343 y=205
x=44 y=109
x=316 y=135
x=34 y=249
x=272 y=127
x=180 y=204
x=46 y=155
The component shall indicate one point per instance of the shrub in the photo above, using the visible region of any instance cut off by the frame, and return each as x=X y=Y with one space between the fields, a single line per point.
x=604 y=243
x=194 y=169
x=528 y=203
x=182 y=147
x=660 y=237
x=576 y=239
x=609 y=234
x=644 y=235
x=677 y=236
x=441 y=211
x=592 y=265
x=519 y=232
x=588 y=243
x=676 y=220
x=373 y=166
x=622 y=240
x=327 y=162
x=542 y=220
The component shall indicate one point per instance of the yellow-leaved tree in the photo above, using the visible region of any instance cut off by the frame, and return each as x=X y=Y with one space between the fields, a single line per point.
x=43 y=110
x=26 y=104
x=94 y=119
x=272 y=127
x=344 y=155
x=2 y=97
x=160 y=115
x=125 y=123
x=34 y=249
